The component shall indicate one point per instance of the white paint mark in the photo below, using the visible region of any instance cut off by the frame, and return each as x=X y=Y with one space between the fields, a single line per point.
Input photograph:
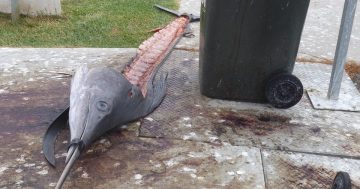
x=186 y=118
x=245 y=154
x=213 y=138
x=170 y=163
x=188 y=169
x=90 y=151
x=294 y=121
x=216 y=154
x=65 y=142
x=19 y=182
x=196 y=155
x=158 y=165
x=221 y=121
x=29 y=164
x=31 y=79
x=53 y=184
x=18 y=170
x=193 y=175
x=61 y=155
x=26 y=98
x=3 y=91
x=11 y=83
x=2 y=170
x=188 y=125
x=102 y=141
x=149 y=119
x=240 y=172
x=85 y=175
x=79 y=169
x=31 y=143
x=43 y=172
x=138 y=177
x=116 y=164
x=189 y=136
x=21 y=159
x=231 y=173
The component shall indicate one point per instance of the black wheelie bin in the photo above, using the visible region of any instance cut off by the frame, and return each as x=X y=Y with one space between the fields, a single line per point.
x=248 y=50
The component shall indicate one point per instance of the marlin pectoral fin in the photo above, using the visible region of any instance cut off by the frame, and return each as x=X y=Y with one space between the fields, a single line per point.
x=51 y=135
x=157 y=93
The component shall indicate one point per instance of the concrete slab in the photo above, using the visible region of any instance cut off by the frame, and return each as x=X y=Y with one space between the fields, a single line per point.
x=185 y=114
x=22 y=67
x=191 y=7
x=33 y=7
x=121 y=160
x=297 y=171
x=321 y=30
x=34 y=87
x=317 y=89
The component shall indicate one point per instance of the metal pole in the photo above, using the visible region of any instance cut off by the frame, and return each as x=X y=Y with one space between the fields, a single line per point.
x=342 y=49
x=14 y=10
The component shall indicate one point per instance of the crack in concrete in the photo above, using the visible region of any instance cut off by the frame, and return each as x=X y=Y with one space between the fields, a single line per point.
x=263 y=168
x=315 y=153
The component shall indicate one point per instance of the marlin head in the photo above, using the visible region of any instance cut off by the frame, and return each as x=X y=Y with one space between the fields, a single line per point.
x=98 y=98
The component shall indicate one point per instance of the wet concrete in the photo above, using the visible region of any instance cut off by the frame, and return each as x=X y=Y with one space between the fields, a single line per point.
x=33 y=95
x=189 y=141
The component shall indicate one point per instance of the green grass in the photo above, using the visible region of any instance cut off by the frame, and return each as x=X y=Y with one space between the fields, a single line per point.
x=88 y=23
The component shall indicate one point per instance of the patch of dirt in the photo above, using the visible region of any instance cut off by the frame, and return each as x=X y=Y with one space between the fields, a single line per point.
x=316 y=60
x=260 y=124
x=115 y=31
x=187 y=49
x=353 y=69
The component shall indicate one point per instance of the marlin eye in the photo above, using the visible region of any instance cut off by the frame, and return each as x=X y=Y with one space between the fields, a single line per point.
x=102 y=106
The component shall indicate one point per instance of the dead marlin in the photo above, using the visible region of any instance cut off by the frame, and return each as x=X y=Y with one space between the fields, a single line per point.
x=102 y=98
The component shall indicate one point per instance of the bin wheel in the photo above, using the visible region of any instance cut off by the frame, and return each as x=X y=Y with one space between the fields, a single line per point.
x=284 y=90
x=342 y=181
